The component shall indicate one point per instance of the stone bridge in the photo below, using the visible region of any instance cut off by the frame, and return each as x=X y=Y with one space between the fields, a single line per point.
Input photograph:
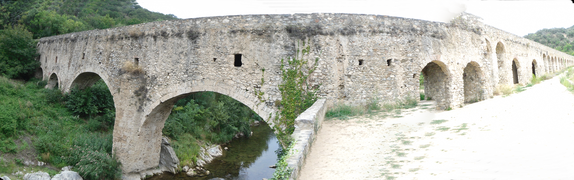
x=361 y=58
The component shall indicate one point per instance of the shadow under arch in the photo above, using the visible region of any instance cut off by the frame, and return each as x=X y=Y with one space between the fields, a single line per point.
x=53 y=81
x=474 y=81
x=515 y=73
x=436 y=78
x=534 y=67
x=86 y=79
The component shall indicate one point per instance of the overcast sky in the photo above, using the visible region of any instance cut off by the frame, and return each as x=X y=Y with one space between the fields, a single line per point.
x=517 y=17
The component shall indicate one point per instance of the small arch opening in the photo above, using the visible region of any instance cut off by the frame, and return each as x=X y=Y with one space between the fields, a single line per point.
x=237 y=62
x=52 y=82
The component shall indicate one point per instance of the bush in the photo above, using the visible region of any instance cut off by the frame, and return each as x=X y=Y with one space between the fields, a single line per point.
x=90 y=101
x=17 y=53
x=98 y=165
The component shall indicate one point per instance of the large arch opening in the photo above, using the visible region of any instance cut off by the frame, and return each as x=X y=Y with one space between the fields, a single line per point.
x=155 y=122
x=84 y=80
x=53 y=81
x=515 y=71
x=473 y=83
x=435 y=79
x=201 y=118
x=500 y=56
x=534 y=66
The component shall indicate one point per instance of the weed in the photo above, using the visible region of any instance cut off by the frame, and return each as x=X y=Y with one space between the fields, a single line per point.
x=420 y=157
x=133 y=68
x=401 y=154
x=438 y=121
x=442 y=128
x=462 y=127
x=407 y=142
x=430 y=134
x=413 y=169
x=396 y=166
x=343 y=111
x=424 y=146
x=422 y=96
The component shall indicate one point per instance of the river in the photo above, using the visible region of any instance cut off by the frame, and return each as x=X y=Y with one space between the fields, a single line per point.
x=246 y=158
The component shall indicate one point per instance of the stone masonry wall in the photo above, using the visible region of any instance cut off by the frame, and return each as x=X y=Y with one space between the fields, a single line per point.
x=362 y=58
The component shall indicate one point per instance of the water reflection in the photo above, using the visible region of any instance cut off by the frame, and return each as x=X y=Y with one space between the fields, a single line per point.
x=246 y=158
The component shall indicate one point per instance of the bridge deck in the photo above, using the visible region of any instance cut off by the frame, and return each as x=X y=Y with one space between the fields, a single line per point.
x=522 y=136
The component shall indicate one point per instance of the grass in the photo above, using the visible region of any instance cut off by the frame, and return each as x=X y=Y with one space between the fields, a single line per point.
x=430 y=134
x=343 y=111
x=419 y=157
x=568 y=79
x=461 y=128
x=424 y=146
x=442 y=128
x=407 y=142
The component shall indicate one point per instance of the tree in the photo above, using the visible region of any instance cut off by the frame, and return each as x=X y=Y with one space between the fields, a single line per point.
x=17 y=53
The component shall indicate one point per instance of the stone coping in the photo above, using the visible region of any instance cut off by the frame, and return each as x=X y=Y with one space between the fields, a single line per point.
x=306 y=126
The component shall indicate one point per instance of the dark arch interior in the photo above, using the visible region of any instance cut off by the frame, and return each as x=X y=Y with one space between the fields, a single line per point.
x=534 y=64
x=514 y=72
x=473 y=82
x=500 y=58
x=53 y=81
x=435 y=84
x=39 y=73
x=84 y=80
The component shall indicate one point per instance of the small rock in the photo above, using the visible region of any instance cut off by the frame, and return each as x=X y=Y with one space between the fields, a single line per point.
x=191 y=173
x=67 y=168
x=67 y=175
x=185 y=168
x=273 y=166
x=5 y=178
x=206 y=172
x=19 y=173
x=40 y=163
x=37 y=176
x=226 y=148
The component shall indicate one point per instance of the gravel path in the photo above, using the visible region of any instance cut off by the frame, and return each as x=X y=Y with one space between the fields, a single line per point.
x=529 y=135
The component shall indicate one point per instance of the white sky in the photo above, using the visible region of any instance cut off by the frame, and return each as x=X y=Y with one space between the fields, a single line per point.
x=518 y=17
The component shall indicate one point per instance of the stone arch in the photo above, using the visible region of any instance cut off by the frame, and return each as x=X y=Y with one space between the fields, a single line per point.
x=85 y=79
x=501 y=56
x=545 y=63
x=436 y=79
x=473 y=80
x=53 y=81
x=39 y=73
x=534 y=66
x=149 y=132
x=488 y=49
x=515 y=73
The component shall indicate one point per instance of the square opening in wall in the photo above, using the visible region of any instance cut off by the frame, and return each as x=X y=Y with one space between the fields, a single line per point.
x=83 y=55
x=389 y=62
x=56 y=59
x=237 y=62
x=137 y=61
x=360 y=62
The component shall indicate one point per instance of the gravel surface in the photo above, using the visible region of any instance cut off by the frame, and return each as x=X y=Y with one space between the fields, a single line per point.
x=528 y=135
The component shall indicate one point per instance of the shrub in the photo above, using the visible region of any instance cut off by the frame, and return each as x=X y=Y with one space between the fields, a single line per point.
x=17 y=53
x=90 y=101
x=98 y=165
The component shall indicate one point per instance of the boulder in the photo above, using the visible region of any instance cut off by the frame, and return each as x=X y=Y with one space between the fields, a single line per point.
x=168 y=161
x=5 y=178
x=37 y=176
x=67 y=175
x=215 y=151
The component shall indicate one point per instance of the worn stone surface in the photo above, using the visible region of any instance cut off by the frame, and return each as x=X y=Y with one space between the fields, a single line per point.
x=360 y=58
x=168 y=160
x=37 y=176
x=67 y=175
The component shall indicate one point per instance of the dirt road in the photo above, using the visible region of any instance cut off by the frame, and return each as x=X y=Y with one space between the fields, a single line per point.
x=528 y=135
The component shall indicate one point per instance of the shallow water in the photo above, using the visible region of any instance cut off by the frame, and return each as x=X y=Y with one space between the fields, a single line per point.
x=246 y=158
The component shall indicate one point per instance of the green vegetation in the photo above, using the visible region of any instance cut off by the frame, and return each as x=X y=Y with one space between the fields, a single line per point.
x=296 y=94
x=52 y=17
x=438 y=121
x=342 y=111
x=568 y=79
x=17 y=53
x=206 y=118
x=282 y=171
x=60 y=137
x=561 y=39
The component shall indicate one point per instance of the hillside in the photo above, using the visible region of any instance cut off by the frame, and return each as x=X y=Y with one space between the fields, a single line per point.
x=52 y=17
x=561 y=39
